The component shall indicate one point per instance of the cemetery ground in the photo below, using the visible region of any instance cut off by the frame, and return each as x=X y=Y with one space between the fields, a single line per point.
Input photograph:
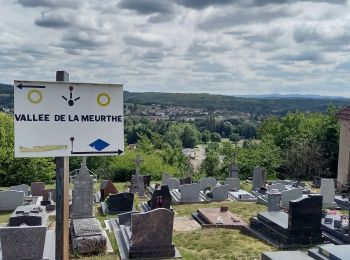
x=201 y=243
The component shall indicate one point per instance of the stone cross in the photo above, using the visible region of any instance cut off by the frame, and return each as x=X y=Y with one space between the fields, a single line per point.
x=83 y=161
x=138 y=162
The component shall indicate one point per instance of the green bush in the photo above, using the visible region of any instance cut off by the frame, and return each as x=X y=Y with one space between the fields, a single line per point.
x=122 y=167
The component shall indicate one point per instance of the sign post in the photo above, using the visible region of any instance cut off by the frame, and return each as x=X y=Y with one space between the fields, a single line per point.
x=62 y=119
x=62 y=196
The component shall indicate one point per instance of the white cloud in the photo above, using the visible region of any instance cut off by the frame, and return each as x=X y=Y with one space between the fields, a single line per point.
x=226 y=46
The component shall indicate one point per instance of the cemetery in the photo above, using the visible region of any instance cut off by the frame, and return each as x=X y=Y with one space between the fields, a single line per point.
x=165 y=216
x=137 y=221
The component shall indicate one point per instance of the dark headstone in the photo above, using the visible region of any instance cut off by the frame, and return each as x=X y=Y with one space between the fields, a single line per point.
x=152 y=234
x=119 y=203
x=146 y=180
x=301 y=226
x=305 y=215
x=161 y=198
x=37 y=188
x=187 y=180
x=28 y=215
x=107 y=187
x=46 y=194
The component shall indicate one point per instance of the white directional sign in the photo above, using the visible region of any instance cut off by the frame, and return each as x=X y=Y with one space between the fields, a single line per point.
x=56 y=119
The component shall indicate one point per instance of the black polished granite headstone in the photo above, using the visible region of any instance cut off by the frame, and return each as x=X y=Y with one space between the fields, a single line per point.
x=119 y=203
x=161 y=198
x=29 y=215
x=187 y=180
x=301 y=226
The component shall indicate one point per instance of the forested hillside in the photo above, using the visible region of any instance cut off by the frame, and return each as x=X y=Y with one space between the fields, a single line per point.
x=235 y=104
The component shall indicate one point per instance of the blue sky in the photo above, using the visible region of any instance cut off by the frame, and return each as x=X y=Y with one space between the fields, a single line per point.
x=230 y=47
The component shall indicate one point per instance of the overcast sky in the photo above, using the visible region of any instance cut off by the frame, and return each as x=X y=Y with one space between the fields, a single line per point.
x=230 y=47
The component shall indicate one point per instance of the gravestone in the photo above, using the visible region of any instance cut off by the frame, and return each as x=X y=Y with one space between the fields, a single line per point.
x=146 y=180
x=11 y=199
x=161 y=198
x=87 y=236
x=29 y=215
x=187 y=180
x=241 y=195
x=328 y=192
x=137 y=181
x=46 y=194
x=259 y=178
x=150 y=235
x=165 y=178
x=107 y=187
x=82 y=196
x=234 y=183
x=274 y=201
x=234 y=172
x=125 y=218
x=21 y=187
x=301 y=226
x=330 y=252
x=207 y=182
x=37 y=188
x=276 y=186
x=190 y=192
x=22 y=242
x=173 y=183
x=119 y=203
x=220 y=192
x=289 y=195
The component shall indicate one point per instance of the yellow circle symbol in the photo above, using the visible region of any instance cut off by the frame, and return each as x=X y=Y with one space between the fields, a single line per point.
x=103 y=99
x=35 y=96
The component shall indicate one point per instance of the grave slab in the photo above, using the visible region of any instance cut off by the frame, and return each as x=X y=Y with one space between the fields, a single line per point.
x=218 y=218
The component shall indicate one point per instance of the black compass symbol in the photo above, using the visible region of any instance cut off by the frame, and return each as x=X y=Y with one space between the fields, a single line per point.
x=70 y=100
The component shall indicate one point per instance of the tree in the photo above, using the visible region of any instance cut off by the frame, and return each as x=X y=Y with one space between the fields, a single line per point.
x=20 y=170
x=211 y=165
x=234 y=137
x=190 y=137
x=206 y=136
x=215 y=137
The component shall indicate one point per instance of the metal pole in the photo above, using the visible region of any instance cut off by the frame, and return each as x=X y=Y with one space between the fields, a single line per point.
x=62 y=197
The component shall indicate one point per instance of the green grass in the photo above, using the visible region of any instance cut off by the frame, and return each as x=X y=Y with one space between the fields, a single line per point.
x=5 y=216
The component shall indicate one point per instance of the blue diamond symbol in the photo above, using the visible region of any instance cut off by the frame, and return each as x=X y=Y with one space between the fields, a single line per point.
x=99 y=144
